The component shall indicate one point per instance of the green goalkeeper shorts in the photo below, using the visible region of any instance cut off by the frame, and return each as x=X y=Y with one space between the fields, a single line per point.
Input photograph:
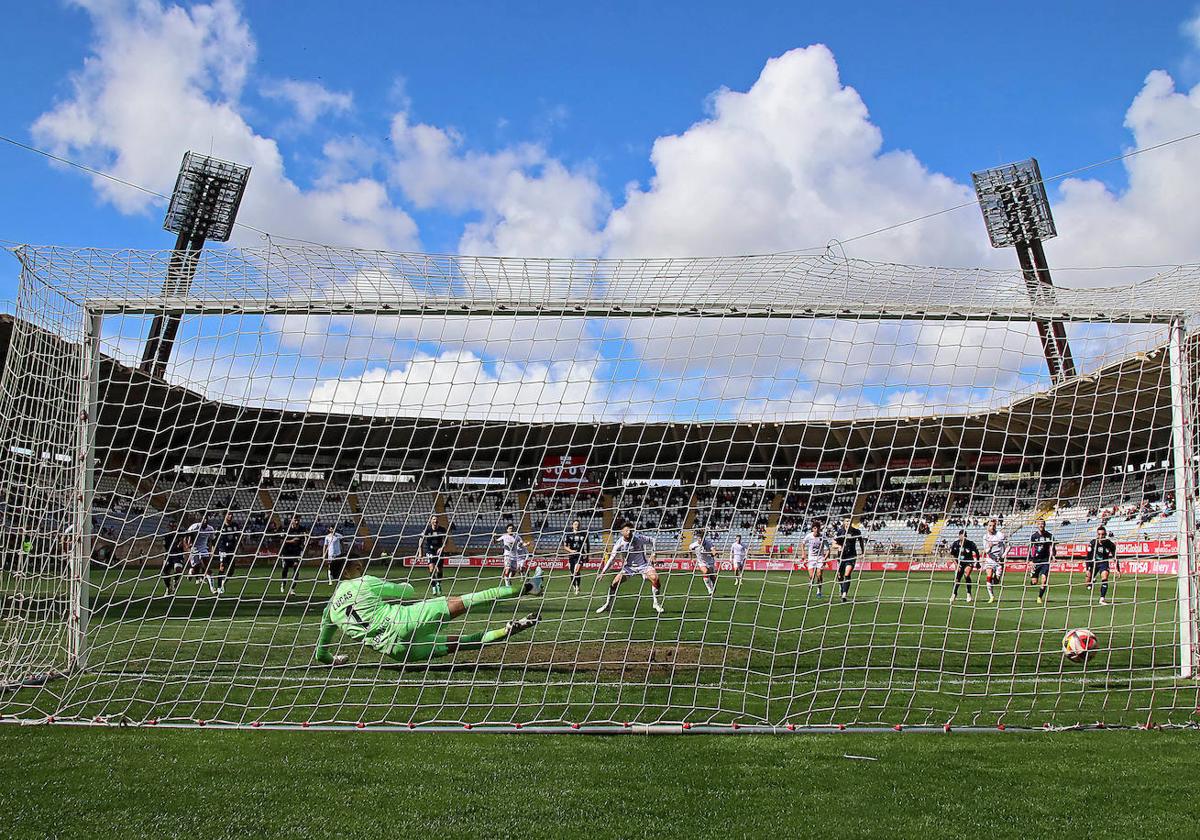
x=417 y=627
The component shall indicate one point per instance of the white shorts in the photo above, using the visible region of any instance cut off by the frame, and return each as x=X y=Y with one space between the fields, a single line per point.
x=815 y=565
x=995 y=566
x=709 y=563
x=639 y=567
x=515 y=564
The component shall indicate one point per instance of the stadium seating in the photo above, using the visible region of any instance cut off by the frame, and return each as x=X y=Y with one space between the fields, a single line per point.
x=476 y=516
x=395 y=514
x=897 y=520
x=325 y=505
x=551 y=515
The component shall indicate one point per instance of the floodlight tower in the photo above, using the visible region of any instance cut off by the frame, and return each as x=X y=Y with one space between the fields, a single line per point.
x=203 y=206
x=1017 y=214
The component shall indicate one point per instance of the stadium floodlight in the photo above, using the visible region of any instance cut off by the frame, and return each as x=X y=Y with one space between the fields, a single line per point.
x=1017 y=214
x=204 y=206
x=1014 y=204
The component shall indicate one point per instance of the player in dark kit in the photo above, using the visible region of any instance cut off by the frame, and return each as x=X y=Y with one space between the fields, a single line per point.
x=431 y=549
x=1101 y=552
x=967 y=554
x=851 y=542
x=578 y=544
x=228 y=538
x=295 y=540
x=175 y=545
x=1041 y=552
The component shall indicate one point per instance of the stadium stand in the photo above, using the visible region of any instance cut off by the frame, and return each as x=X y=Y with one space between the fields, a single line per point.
x=476 y=516
x=660 y=512
x=394 y=514
x=551 y=515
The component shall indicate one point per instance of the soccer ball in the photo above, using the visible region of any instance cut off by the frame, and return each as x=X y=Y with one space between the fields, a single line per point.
x=1078 y=645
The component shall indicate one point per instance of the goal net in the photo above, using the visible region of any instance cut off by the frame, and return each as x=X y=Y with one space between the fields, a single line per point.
x=303 y=486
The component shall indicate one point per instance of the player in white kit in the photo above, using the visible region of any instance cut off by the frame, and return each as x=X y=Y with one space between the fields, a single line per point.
x=516 y=554
x=995 y=550
x=816 y=548
x=199 y=535
x=637 y=553
x=332 y=549
x=737 y=553
x=706 y=560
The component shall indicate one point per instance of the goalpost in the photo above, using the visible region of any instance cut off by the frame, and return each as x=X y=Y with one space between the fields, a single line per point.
x=732 y=398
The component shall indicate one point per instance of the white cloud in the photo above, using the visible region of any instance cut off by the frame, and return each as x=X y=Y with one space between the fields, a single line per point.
x=531 y=204
x=792 y=162
x=309 y=100
x=370 y=337
x=1153 y=220
x=163 y=80
x=462 y=385
x=1191 y=29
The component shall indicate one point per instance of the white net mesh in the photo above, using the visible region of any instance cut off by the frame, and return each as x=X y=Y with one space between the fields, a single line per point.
x=322 y=402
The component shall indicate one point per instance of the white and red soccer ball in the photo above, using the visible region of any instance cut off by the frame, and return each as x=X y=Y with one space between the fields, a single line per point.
x=1078 y=645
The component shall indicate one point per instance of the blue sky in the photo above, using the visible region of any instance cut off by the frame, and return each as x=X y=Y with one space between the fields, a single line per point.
x=961 y=85
x=611 y=129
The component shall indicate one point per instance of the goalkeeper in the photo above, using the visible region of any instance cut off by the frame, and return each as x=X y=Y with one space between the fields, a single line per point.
x=360 y=609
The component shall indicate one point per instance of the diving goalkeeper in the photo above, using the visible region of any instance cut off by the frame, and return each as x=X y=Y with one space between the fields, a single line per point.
x=360 y=609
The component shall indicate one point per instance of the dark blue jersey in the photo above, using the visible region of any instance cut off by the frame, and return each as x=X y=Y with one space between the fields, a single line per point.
x=173 y=541
x=965 y=551
x=850 y=541
x=577 y=542
x=1041 y=546
x=228 y=538
x=1101 y=551
x=295 y=540
x=433 y=539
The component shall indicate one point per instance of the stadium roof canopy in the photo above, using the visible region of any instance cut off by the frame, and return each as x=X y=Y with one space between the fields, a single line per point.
x=1121 y=412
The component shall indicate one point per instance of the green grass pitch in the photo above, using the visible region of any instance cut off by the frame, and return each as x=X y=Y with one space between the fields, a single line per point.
x=766 y=653
x=99 y=783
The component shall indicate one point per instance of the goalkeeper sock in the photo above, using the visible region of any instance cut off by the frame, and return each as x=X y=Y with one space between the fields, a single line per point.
x=496 y=593
x=968 y=586
x=1103 y=588
x=845 y=587
x=1042 y=592
x=484 y=637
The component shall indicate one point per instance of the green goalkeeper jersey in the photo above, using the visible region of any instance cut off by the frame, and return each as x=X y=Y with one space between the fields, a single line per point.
x=359 y=609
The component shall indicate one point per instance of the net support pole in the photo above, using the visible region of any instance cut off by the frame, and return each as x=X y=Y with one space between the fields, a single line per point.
x=81 y=550
x=1181 y=451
